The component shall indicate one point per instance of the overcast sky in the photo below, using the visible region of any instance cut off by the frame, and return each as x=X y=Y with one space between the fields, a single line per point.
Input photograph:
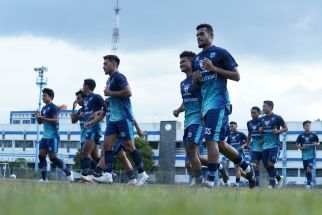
x=277 y=45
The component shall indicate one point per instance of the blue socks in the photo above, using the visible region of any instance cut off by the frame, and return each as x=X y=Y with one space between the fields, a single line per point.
x=43 y=167
x=58 y=162
x=309 y=178
x=257 y=177
x=272 y=175
x=85 y=166
x=109 y=161
x=137 y=160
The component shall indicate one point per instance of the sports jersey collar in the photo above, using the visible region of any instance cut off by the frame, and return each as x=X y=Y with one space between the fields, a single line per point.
x=211 y=47
x=116 y=72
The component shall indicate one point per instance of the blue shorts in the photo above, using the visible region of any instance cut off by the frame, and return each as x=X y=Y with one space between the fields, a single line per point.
x=122 y=128
x=256 y=156
x=93 y=135
x=308 y=163
x=51 y=145
x=194 y=134
x=216 y=124
x=270 y=155
x=118 y=145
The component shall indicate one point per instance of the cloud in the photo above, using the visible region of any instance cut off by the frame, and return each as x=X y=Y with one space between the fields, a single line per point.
x=154 y=77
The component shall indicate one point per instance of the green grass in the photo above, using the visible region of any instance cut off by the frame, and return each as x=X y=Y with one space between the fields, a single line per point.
x=28 y=197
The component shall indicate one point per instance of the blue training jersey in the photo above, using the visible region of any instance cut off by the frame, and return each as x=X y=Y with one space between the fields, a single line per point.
x=269 y=123
x=257 y=138
x=80 y=112
x=93 y=103
x=237 y=139
x=192 y=102
x=50 y=130
x=214 y=90
x=120 y=107
x=307 y=140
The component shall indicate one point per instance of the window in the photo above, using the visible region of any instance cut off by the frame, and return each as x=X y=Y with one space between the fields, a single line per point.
x=5 y=143
x=69 y=144
x=25 y=121
x=15 y=121
x=291 y=146
x=180 y=170
x=292 y=172
x=24 y=144
x=319 y=173
x=154 y=144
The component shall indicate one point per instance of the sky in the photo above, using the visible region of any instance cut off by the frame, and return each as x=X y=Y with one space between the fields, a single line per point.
x=277 y=45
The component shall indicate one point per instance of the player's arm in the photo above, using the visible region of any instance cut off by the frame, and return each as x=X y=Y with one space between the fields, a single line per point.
x=38 y=116
x=244 y=141
x=138 y=129
x=180 y=109
x=249 y=138
x=97 y=118
x=196 y=78
x=283 y=129
x=232 y=75
x=126 y=92
x=76 y=117
x=317 y=141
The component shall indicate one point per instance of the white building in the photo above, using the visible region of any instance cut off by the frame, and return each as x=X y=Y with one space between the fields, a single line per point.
x=18 y=140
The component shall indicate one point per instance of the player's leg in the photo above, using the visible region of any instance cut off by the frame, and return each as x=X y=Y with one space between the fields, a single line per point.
x=232 y=154
x=194 y=138
x=127 y=166
x=272 y=157
x=255 y=158
x=127 y=135
x=213 y=133
x=308 y=169
x=238 y=175
x=42 y=159
x=95 y=155
x=52 y=154
x=89 y=146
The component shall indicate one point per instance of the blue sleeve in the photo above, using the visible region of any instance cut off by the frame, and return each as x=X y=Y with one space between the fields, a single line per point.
x=228 y=61
x=281 y=121
x=193 y=65
x=122 y=81
x=316 y=138
x=229 y=139
x=244 y=137
x=101 y=102
x=298 y=140
x=54 y=111
x=248 y=127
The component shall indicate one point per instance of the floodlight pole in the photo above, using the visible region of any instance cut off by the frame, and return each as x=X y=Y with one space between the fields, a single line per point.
x=41 y=82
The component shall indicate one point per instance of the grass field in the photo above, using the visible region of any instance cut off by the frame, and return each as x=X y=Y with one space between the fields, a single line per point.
x=28 y=197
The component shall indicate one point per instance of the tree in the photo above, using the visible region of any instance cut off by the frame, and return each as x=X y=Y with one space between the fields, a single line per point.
x=77 y=164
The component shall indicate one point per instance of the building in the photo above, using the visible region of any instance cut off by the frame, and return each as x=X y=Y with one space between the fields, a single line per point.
x=18 y=140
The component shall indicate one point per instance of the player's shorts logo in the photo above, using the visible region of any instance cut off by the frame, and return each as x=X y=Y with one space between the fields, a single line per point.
x=190 y=134
x=208 y=131
x=123 y=134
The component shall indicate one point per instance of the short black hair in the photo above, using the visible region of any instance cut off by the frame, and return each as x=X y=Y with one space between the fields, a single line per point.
x=233 y=123
x=49 y=92
x=256 y=108
x=188 y=54
x=269 y=103
x=112 y=58
x=80 y=92
x=207 y=26
x=306 y=122
x=90 y=83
